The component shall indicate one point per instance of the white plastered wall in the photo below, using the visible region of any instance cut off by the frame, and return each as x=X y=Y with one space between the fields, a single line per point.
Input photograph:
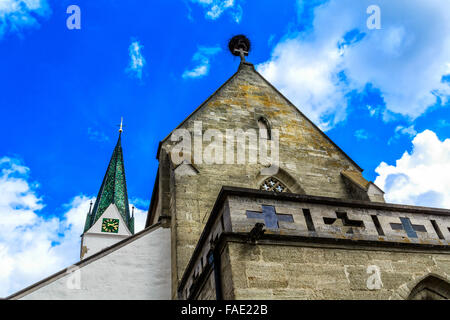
x=138 y=270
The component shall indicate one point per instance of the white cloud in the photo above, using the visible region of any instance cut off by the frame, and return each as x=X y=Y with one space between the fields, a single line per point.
x=401 y=130
x=202 y=58
x=140 y=216
x=237 y=14
x=215 y=8
x=443 y=123
x=138 y=202
x=308 y=76
x=140 y=213
x=18 y=14
x=198 y=71
x=405 y=59
x=33 y=245
x=96 y=135
x=421 y=177
x=137 y=60
x=409 y=131
x=374 y=112
x=361 y=134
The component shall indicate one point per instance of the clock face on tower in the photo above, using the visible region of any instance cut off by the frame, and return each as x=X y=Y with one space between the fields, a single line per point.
x=110 y=225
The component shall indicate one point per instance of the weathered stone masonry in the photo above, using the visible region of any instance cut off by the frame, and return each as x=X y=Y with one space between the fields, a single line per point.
x=335 y=261
x=323 y=243
x=307 y=156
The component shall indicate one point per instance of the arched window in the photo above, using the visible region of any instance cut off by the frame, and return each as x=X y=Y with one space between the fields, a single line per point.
x=273 y=184
x=264 y=128
x=431 y=288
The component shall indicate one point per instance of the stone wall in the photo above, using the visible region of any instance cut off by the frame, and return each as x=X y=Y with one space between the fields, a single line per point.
x=208 y=289
x=269 y=271
x=315 y=247
x=307 y=156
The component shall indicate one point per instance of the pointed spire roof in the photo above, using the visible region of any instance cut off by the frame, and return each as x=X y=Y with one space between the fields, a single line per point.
x=112 y=190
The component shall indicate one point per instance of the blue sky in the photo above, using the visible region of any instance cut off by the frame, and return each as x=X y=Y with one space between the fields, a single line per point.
x=380 y=94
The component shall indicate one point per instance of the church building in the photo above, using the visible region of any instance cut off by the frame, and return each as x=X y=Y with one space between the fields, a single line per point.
x=228 y=221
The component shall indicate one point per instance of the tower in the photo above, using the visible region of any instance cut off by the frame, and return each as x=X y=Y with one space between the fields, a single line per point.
x=309 y=162
x=109 y=221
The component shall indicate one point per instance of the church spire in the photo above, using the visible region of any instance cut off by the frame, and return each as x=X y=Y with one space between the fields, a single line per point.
x=113 y=190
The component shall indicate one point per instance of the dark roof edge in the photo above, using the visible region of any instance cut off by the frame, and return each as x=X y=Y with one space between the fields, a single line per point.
x=19 y=294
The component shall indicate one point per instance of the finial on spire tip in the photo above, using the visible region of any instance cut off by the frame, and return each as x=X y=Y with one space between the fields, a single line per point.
x=121 y=125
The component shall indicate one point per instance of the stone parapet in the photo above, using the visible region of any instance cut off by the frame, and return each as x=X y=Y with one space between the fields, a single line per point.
x=303 y=218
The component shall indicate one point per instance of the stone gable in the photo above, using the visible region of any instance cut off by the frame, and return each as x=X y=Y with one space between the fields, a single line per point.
x=309 y=161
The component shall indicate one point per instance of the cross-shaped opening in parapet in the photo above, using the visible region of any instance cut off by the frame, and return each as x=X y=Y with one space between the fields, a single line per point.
x=437 y=229
x=344 y=221
x=408 y=227
x=270 y=217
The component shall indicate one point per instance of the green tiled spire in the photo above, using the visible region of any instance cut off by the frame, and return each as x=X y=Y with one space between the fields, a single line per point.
x=113 y=190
